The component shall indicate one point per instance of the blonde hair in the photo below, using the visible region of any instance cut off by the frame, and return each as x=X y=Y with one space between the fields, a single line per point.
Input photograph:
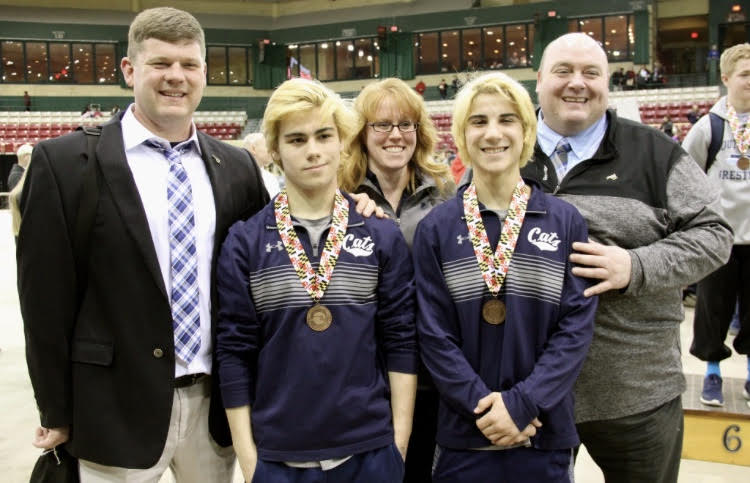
x=411 y=104
x=301 y=95
x=24 y=150
x=731 y=56
x=166 y=24
x=510 y=90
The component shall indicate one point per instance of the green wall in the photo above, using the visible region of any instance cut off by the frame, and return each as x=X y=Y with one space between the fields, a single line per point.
x=43 y=31
x=254 y=106
x=454 y=19
x=410 y=23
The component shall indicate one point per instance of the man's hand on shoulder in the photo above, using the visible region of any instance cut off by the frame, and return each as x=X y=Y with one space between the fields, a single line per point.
x=608 y=263
x=48 y=438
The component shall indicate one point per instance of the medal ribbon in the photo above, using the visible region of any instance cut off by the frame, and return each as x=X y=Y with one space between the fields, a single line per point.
x=314 y=283
x=740 y=132
x=494 y=266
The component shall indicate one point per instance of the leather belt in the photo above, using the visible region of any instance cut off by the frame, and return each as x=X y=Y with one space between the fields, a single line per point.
x=188 y=380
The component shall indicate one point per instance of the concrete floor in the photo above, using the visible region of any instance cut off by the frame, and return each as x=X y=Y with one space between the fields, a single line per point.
x=18 y=417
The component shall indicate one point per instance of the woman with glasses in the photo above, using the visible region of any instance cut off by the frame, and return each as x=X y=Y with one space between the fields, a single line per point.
x=391 y=161
x=502 y=323
x=391 y=156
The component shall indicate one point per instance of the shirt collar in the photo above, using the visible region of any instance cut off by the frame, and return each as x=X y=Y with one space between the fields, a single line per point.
x=581 y=144
x=134 y=133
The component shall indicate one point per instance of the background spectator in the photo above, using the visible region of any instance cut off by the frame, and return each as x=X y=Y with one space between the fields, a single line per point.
x=420 y=88
x=618 y=79
x=17 y=170
x=255 y=143
x=667 y=126
x=443 y=89
x=694 y=114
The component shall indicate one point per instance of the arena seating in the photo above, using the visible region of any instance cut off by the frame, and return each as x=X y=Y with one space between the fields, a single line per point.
x=441 y=113
x=655 y=104
x=17 y=128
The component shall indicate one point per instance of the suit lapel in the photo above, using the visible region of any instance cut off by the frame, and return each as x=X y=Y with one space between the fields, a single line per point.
x=111 y=155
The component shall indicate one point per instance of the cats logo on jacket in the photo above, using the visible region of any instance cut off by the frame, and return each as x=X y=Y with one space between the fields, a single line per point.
x=546 y=242
x=359 y=247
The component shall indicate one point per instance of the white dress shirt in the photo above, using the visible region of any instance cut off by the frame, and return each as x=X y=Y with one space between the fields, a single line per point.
x=583 y=145
x=150 y=169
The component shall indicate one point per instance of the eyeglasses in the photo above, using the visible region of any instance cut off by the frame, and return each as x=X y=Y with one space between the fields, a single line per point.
x=403 y=126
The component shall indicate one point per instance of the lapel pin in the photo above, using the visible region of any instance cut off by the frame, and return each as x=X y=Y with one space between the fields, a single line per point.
x=218 y=161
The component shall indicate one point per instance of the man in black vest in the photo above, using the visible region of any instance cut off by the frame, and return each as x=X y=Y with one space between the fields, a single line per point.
x=654 y=227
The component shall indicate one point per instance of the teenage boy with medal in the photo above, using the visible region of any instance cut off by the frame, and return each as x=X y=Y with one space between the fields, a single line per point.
x=503 y=324
x=730 y=171
x=316 y=325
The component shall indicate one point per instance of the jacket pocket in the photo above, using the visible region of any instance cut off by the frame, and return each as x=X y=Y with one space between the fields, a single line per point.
x=92 y=352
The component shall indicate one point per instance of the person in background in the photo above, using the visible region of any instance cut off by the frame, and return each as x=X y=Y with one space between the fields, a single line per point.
x=420 y=87
x=14 y=196
x=443 y=89
x=655 y=226
x=694 y=114
x=618 y=79
x=18 y=169
x=255 y=143
x=667 y=127
x=26 y=100
x=458 y=169
x=676 y=133
x=316 y=307
x=644 y=77
x=503 y=349
x=722 y=290
x=630 y=77
x=392 y=162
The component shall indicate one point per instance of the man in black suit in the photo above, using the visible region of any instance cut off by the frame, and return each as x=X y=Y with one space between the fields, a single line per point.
x=120 y=352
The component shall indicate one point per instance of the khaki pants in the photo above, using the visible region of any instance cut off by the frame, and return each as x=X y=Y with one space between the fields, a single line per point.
x=189 y=452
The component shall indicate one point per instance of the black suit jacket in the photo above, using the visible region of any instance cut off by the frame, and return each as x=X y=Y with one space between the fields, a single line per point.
x=103 y=362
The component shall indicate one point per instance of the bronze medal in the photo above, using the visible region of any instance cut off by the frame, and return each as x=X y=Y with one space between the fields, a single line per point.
x=319 y=318
x=743 y=163
x=493 y=312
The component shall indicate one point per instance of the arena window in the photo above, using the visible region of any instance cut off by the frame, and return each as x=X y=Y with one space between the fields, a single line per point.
x=37 y=62
x=330 y=60
x=616 y=33
x=489 y=47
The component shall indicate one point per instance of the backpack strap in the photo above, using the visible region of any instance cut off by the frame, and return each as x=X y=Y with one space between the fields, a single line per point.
x=87 y=203
x=717 y=137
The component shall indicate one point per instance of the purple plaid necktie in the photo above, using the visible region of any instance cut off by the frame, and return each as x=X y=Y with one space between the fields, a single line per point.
x=561 y=153
x=183 y=256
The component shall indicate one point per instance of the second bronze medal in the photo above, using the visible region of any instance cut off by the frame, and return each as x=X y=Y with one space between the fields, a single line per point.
x=319 y=318
x=743 y=163
x=493 y=312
